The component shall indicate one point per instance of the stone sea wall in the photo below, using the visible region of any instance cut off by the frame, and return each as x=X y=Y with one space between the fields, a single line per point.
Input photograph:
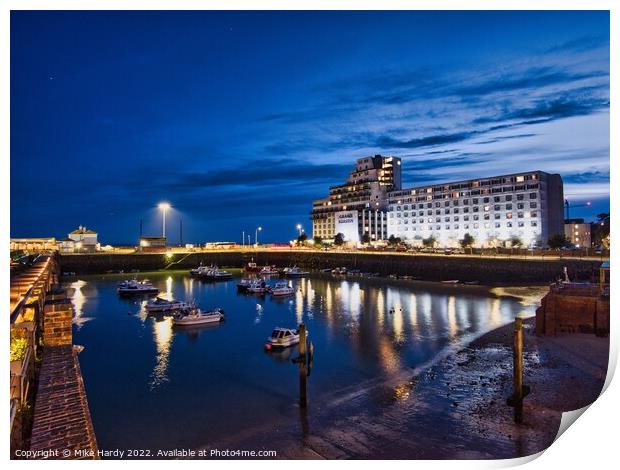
x=487 y=270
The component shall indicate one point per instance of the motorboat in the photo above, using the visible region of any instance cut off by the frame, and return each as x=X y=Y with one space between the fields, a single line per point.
x=213 y=273
x=281 y=289
x=200 y=270
x=135 y=287
x=162 y=305
x=293 y=272
x=257 y=287
x=338 y=271
x=194 y=316
x=282 y=338
x=243 y=284
x=451 y=281
x=268 y=271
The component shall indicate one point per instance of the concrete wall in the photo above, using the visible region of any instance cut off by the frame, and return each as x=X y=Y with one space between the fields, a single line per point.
x=432 y=268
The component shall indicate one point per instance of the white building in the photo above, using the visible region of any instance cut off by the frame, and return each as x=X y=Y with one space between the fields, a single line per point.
x=493 y=210
x=359 y=206
x=84 y=240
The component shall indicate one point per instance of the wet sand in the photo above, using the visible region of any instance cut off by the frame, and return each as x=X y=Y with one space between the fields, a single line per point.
x=454 y=409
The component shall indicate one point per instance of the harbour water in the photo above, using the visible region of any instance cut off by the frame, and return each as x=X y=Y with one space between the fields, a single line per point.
x=152 y=385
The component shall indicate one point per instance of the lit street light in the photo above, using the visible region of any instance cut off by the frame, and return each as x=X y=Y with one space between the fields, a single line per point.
x=300 y=228
x=256 y=235
x=163 y=206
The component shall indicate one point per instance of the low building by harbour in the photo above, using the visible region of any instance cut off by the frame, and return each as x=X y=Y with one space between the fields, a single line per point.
x=152 y=244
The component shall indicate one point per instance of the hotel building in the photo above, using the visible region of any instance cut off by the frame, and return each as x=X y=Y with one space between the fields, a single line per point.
x=360 y=204
x=578 y=232
x=493 y=210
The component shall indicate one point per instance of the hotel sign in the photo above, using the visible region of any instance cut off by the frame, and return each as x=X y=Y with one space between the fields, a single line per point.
x=346 y=223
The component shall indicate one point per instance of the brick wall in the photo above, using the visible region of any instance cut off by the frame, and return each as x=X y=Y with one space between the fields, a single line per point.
x=565 y=312
x=57 y=318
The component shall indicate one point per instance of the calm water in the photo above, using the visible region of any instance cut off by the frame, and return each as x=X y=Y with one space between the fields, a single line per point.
x=152 y=385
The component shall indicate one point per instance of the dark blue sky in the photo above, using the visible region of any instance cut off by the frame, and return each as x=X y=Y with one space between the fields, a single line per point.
x=240 y=119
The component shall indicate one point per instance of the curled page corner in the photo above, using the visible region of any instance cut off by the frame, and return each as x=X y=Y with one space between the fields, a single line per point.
x=568 y=418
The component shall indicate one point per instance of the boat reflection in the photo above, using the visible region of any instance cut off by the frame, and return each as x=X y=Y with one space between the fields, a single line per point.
x=162 y=334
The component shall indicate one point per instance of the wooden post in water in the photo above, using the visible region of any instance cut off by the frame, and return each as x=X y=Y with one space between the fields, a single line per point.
x=518 y=371
x=303 y=372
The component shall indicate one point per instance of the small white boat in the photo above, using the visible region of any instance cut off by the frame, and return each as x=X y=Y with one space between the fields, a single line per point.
x=195 y=316
x=268 y=271
x=212 y=273
x=135 y=287
x=257 y=287
x=282 y=289
x=282 y=338
x=293 y=272
x=243 y=284
x=451 y=281
x=163 y=305
x=338 y=271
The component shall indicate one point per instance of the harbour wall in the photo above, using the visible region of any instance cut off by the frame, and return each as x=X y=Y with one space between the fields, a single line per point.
x=487 y=270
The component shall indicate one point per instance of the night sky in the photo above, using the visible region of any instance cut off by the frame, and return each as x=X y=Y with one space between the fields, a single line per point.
x=241 y=119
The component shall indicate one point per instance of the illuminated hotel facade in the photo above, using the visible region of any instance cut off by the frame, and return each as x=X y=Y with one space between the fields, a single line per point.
x=493 y=210
x=360 y=204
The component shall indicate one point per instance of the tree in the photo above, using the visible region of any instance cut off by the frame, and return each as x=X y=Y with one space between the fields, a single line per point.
x=557 y=241
x=516 y=242
x=429 y=242
x=339 y=239
x=301 y=239
x=467 y=241
x=393 y=240
x=318 y=241
x=366 y=238
x=601 y=230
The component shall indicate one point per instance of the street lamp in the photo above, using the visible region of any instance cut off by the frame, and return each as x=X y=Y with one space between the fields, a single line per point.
x=163 y=206
x=258 y=229
x=300 y=228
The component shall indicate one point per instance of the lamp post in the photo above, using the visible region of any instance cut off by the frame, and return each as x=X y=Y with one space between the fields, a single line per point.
x=258 y=229
x=300 y=228
x=163 y=206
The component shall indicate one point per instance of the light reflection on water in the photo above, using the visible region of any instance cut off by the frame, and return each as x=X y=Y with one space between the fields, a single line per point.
x=211 y=381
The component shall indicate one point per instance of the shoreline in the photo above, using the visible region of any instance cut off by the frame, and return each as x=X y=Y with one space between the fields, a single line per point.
x=454 y=408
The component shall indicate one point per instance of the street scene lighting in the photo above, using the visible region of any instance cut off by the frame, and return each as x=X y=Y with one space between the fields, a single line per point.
x=163 y=207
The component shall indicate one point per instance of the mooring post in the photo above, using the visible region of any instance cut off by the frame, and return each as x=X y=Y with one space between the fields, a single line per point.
x=518 y=371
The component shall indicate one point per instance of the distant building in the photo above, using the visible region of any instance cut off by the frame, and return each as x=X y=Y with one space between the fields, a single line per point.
x=493 y=210
x=33 y=244
x=152 y=244
x=85 y=240
x=359 y=205
x=578 y=232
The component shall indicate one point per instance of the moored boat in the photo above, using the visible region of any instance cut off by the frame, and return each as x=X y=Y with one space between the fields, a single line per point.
x=243 y=284
x=163 y=305
x=194 y=316
x=213 y=273
x=268 y=270
x=257 y=287
x=293 y=272
x=135 y=287
x=282 y=338
x=282 y=289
